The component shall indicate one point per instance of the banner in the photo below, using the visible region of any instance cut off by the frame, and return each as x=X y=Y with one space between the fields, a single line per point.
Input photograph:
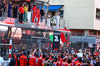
x=56 y=40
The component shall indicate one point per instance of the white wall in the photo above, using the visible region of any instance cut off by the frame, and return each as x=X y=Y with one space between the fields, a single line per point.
x=79 y=13
x=96 y=22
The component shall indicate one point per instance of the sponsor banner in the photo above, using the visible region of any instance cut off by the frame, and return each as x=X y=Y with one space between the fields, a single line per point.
x=56 y=40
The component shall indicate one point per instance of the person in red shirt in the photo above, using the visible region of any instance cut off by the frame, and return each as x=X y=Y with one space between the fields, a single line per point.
x=34 y=13
x=21 y=12
x=23 y=60
x=37 y=60
x=78 y=62
x=15 y=57
x=38 y=15
x=64 y=63
x=60 y=60
x=32 y=60
x=55 y=63
x=75 y=58
x=69 y=63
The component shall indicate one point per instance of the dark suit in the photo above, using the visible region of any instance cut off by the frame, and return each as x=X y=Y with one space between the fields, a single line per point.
x=12 y=62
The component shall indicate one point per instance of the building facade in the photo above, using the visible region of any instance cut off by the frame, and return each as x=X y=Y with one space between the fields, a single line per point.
x=82 y=18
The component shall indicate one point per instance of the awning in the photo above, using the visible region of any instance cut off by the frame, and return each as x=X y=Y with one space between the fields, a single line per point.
x=54 y=7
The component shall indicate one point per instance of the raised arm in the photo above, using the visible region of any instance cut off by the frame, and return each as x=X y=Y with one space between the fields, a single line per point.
x=41 y=51
x=51 y=52
x=34 y=52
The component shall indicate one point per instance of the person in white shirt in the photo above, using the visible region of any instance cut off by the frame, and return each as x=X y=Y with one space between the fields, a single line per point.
x=1 y=61
x=93 y=60
x=57 y=20
x=80 y=54
x=48 y=19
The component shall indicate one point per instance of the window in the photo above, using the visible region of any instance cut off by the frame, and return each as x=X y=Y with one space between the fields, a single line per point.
x=97 y=13
x=93 y=32
x=61 y=13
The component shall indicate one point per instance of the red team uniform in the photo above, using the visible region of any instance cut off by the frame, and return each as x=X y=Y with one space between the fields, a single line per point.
x=64 y=63
x=32 y=61
x=23 y=60
x=34 y=14
x=38 y=16
x=38 y=62
x=43 y=60
x=78 y=63
x=35 y=61
x=55 y=64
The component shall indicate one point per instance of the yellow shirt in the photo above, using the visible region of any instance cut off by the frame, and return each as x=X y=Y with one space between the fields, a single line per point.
x=25 y=9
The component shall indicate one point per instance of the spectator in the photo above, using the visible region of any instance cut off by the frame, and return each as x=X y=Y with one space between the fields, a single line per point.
x=17 y=60
x=1 y=60
x=87 y=63
x=97 y=62
x=42 y=14
x=0 y=9
x=57 y=20
x=25 y=3
x=9 y=9
x=38 y=15
x=93 y=60
x=79 y=62
x=55 y=62
x=46 y=61
x=34 y=14
x=21 y=13
x=12 y=62
x=15 y=11
x=70 y=62
x=3 y=7
x=48 y=19
x=25 y=13
x=31 y=60
x=38 y=59
x=23 y=60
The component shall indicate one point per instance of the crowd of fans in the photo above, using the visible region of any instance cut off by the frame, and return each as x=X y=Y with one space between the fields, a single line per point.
x=72 y=58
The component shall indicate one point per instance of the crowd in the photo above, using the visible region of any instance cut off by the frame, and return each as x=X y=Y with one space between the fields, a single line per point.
x=67 y=58
x=27 y=13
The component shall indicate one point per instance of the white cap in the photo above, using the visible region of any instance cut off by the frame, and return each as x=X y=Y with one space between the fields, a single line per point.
x=80 y=51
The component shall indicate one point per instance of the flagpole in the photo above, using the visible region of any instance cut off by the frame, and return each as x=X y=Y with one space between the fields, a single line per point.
x=64 y=47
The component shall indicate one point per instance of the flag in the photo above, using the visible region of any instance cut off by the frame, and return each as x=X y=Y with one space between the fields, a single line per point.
x=62 y=38
x=51 y=36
